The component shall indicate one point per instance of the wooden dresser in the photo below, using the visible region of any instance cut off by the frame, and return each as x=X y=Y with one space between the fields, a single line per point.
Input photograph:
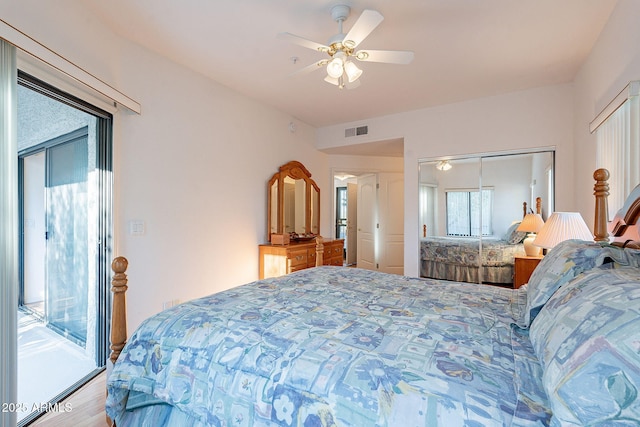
x=278 y=260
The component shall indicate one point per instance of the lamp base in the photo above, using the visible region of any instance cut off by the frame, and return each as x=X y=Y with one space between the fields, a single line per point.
x=529 y=248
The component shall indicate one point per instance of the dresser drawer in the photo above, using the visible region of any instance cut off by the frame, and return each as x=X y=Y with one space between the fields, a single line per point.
x=297 y=268
x=311 y=257
x=278 y=260
x=297 y=258
x=336 y=251
x=333 y=253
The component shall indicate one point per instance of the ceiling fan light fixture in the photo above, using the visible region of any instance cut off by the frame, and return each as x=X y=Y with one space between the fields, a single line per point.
x=352 y=71
x=362 y=55
x=335 y=68
x=333 y=80
x=443 y=165
x=341 y=68
x=350 y=44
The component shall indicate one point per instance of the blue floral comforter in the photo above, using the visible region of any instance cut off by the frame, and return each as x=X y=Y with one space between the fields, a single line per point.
x=335 y=346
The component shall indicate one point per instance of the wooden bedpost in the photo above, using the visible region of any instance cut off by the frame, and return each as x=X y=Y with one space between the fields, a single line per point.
x=524 y=209
x=539 y=205
x=118 y=311
x=319 y=251
x=601 y=191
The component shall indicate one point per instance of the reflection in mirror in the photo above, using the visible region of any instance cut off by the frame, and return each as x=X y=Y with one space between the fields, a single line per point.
x=315 y=211
x=273 y=208
x=469 y=211
x=294 y=205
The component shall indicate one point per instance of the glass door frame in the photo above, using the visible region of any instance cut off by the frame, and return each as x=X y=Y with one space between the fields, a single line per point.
x=46 y=148
x=103 y=186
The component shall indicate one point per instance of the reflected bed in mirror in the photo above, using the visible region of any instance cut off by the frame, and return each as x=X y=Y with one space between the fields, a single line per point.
x=470 y=211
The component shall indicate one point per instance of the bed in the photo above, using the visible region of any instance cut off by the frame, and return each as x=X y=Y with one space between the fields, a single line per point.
x=336 y=346
x=458 y=259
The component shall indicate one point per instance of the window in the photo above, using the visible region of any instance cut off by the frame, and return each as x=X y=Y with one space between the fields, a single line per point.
x=466 y=210
x=618 y=144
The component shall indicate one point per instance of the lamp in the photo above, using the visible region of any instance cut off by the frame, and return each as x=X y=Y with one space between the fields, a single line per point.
x=562 y=226
x=335 y=67
x=531 y=223
x=443 y=165
x=334 y=81
x=352 y=71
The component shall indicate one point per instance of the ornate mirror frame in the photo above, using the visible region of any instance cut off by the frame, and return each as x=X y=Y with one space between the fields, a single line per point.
x=277 y=203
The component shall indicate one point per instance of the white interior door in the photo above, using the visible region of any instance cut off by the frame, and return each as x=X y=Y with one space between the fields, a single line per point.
x=391 y=220
x=367 y=222
x=352 y=224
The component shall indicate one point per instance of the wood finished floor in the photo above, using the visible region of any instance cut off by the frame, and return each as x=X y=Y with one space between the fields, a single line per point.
x=87 y=407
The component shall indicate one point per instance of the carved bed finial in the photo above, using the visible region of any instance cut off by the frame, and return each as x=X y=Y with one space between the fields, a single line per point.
x=118 y=311
x=601 y=191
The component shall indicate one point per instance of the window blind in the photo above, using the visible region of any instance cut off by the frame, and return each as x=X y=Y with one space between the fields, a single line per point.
x=618 y=148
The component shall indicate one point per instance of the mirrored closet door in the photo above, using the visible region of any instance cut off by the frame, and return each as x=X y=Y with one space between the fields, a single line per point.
x=470 y=209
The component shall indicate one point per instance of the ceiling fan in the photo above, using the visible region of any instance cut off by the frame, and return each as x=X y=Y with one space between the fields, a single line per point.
x=341 y=69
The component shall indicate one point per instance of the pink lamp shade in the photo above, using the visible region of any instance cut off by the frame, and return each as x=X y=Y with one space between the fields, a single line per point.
x=562 y=226
x=531 y=223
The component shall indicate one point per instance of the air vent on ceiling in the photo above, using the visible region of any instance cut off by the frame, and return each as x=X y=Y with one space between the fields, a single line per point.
x=360 y=130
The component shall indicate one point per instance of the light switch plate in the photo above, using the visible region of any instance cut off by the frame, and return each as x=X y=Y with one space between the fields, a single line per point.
x=136 y=227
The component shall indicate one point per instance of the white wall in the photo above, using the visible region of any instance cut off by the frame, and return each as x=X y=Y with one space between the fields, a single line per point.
x=612 y=64
x=540 y=117
x=194 y=165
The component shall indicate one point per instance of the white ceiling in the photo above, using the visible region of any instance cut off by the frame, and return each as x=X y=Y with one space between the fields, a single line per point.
x=464 y=49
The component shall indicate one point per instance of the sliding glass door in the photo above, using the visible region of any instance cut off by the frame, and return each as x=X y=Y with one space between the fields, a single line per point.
x=55 y=237
x=64 y=157
x=67 y=257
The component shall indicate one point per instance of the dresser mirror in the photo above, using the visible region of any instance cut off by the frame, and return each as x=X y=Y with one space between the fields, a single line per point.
x=293 y=203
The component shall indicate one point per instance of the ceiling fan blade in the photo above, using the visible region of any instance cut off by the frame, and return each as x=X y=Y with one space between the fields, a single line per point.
x=303 y=42
x=310 y=68
x=365 y=24
x=388 y=56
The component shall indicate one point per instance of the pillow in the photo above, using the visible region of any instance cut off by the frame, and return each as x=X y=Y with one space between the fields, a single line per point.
x=559 y=266
x=513 y=236
x=624 y=257
x=587 y=339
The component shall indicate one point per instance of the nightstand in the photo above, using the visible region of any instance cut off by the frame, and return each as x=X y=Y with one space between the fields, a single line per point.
x=522 y=269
